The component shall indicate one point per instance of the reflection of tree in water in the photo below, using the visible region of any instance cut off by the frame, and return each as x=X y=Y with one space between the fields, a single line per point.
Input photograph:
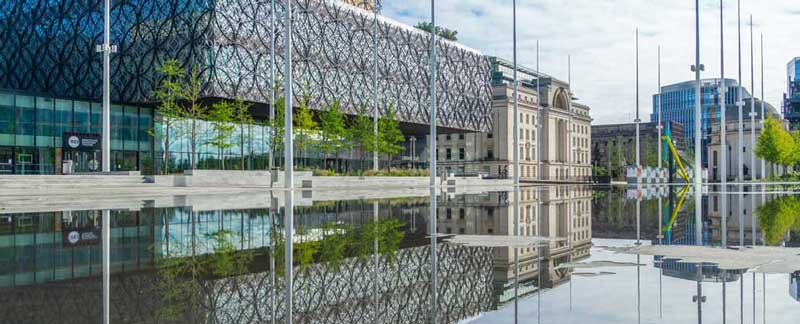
x=198 y=288
x=777 y=217
x=185 y=284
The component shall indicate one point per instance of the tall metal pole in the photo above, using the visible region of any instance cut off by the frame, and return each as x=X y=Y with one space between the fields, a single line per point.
x=723 y=106
x=659 y=126
x=739 y=95
x=106 y=49
x=763 y=116
x=516 y=159
x=539 y=123
x=106 y=237
x=569 y=125
x=376 y=107
x=287 y=111
x=432 y=151
x=272 y=86
x=698 y=131
x=638 y=153
x=289 y=164
x=752 y=108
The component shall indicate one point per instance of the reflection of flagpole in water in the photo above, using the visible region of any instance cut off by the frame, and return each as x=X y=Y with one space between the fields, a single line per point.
x=288 y=227
x=638 y=257
x=106 y=236
x=569 y=240
x=516 y=161
x=660 y=237
x=538 y=255
x=698 y=223
x=432 y=164
x=376 y=259
x=724 y=232
x=272 y=238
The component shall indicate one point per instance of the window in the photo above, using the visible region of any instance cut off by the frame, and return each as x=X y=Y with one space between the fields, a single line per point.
x=448 y=154
x=447 y=137
x=461 y=136
x=461 y=153
x=461 y=213
x=490 y=135
x=449 y=213
x=490 y=154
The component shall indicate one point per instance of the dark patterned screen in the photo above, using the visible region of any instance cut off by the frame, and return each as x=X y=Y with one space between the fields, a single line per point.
x=49 y=48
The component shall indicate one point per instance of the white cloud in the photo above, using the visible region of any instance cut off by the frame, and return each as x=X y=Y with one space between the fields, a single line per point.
x=599 y=34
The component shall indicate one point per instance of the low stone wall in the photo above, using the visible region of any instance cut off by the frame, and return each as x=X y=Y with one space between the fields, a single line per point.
x=221 y=178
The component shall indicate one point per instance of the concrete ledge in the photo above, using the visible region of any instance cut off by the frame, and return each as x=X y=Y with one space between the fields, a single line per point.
x=221 y=178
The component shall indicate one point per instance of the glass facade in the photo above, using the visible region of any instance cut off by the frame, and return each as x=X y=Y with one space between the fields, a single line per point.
x=791 y=102
x=678 y=104
x=32 y=127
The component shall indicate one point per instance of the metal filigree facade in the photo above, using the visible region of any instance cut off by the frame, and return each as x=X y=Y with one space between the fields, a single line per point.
x=359 y=291
x=49 y=48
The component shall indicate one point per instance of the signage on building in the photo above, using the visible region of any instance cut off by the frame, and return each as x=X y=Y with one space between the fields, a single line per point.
x=81 y=141
x=80 y=237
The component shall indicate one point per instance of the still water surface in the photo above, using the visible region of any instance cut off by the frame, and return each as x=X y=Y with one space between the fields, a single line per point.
x=222 y=259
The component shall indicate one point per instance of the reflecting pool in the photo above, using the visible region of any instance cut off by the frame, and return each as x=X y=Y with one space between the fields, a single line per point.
x=571 y=254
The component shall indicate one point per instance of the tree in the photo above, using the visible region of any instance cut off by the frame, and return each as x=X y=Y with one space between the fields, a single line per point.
x=305 y=124
x=277 y=127
x=389 y=135
x=334 y=132
x=243 y=118
x=194 y=109
x=362 y=134
x=221 y=116
x=768 y=146
x=169 y=112
x=445 y=33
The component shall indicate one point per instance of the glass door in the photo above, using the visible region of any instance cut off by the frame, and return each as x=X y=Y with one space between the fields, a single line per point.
x=6 y=160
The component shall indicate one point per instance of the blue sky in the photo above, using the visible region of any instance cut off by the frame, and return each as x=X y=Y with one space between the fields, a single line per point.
x=600 y=37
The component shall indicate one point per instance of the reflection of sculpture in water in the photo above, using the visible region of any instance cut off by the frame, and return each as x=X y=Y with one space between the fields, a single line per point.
x=778 y=217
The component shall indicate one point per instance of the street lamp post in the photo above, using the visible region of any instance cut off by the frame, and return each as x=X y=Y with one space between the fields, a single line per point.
x=272 y=89
x=376 y=107
x=106 y=48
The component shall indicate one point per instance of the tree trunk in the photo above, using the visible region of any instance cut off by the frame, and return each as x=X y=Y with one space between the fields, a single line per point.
x=166 y=150
x=192 y=162
x=241 y=145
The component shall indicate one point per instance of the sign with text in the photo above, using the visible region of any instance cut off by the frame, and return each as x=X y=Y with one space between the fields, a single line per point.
x=80 y=236
x=81 y=141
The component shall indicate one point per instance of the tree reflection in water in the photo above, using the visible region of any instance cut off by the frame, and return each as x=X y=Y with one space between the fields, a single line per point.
x=190 y=289
x=777 y=217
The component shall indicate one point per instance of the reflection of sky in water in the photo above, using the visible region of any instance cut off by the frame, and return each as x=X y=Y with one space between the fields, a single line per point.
x=613 y=298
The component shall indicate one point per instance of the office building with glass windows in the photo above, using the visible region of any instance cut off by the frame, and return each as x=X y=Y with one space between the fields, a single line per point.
x=51 y=76
x=791 y=99
x=678 y=104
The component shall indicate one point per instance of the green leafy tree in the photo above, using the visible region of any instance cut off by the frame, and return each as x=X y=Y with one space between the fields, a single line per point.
x=768 y=147
x=194 y=109
x=442 y=32
x=334 y=133
x=221 y=117
x=362 y=134
x=277 y=127
x=390 y=138
x=170 y=114
x=243 y=118
x=778 y=217
x=305 y=124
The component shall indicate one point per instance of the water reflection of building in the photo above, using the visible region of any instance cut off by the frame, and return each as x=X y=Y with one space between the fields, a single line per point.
x=38 y=269
x=794 y=285
x=545 y=208
x=742 y=218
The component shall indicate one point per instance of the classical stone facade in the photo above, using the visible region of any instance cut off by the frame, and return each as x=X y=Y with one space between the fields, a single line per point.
x=554 y=132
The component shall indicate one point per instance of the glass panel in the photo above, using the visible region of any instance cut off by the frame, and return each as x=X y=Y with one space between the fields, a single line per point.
x=130 y=128
x=44 y=122
x=116 y=127
x=81 y=115
x=26 y=117
x=6 y=119
x=97 y=118
x=63 y=120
